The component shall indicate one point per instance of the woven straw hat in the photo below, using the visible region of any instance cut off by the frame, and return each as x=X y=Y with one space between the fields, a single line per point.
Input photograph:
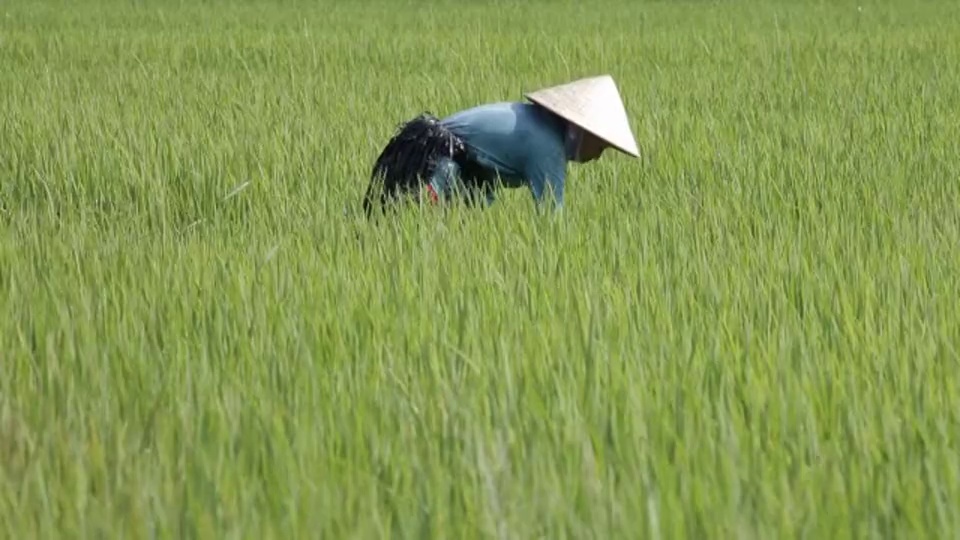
x=594 y=104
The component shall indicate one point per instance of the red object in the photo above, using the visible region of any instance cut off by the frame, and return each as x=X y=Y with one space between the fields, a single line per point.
x=433 y=194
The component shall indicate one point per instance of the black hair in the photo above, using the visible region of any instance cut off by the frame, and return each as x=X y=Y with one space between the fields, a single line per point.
x=410 y=159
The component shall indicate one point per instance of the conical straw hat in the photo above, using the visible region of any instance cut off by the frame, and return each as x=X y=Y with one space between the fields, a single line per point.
x=594 y=104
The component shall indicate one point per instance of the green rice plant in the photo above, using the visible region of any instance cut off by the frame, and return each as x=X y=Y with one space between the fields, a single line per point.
x=751 y=332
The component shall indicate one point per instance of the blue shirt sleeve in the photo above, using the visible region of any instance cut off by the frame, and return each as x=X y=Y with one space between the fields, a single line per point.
x=547 y=176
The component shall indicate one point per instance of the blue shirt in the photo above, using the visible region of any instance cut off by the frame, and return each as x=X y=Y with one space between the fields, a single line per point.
x=521 y=143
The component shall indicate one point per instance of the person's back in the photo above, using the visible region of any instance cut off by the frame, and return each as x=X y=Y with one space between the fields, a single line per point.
x=519 y=144
x=511 y=139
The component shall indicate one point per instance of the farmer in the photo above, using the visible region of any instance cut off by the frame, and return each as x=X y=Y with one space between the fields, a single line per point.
x=518 y=144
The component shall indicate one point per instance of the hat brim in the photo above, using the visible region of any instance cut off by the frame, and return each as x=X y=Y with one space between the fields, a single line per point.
x=594 y=105
x=631 y=150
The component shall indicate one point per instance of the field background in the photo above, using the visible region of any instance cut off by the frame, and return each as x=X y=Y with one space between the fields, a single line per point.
x=751 y=332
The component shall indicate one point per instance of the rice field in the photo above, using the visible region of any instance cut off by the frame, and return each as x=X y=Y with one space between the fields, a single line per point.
x=751 y=332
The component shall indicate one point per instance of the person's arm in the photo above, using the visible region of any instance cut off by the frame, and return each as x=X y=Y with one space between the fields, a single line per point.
x=547 y=176
x=446 y=178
